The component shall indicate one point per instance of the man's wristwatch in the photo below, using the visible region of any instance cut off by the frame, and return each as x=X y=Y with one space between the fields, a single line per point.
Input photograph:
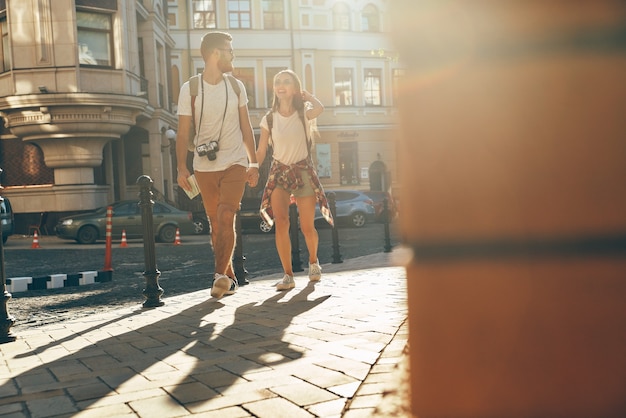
x=253 y=165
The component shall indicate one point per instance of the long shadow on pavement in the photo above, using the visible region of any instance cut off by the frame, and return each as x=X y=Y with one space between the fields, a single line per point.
x=252 y=341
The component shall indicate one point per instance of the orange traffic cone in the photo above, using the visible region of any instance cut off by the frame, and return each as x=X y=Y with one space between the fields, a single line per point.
x=35 y=241
x=123 y=244
x=177 y=239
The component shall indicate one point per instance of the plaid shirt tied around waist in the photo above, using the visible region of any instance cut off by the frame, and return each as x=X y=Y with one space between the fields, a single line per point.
x=289 y=177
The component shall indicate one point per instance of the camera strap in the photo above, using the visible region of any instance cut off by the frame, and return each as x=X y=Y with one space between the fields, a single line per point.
x=225 y=107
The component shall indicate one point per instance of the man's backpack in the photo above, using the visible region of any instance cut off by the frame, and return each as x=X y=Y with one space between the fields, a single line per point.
x=194 y=82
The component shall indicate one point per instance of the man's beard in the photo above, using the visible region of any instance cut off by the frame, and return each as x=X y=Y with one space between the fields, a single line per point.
x=226 y=66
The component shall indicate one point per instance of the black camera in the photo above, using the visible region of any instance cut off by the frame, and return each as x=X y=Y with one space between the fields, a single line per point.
x=209 y=150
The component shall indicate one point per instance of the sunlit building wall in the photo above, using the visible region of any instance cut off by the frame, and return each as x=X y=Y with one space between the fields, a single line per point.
x=88 y=91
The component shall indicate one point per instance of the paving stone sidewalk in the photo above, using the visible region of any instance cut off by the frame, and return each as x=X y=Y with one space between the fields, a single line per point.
x=330 y=349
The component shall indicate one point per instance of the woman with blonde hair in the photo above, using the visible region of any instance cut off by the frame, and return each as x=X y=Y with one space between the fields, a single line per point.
x=288 y=129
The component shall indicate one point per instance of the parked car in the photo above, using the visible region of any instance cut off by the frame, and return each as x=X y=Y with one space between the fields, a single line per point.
x=352 y=206
x=6 y=214
x=201 y=223
x=249 y=214
x=87 y=228
x=251 y=217
x=378 y=199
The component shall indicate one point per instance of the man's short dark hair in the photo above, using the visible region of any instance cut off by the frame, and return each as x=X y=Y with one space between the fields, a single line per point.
x=213 y=40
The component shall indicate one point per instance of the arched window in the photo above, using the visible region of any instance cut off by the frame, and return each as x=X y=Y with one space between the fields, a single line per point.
x=341 y=17
x=370 y=19
x=23 y=164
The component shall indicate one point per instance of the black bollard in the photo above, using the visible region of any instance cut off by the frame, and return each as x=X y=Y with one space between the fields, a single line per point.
x=386 y=220
x=296 y=263
x=6 y=320
x=332 y=202
x=153 y=291
x=238 y=258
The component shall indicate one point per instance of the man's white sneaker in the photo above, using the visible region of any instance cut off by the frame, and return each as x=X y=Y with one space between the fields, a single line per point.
x=222 y=285
x=315 y=271
x=286 y=283
x=234 y=286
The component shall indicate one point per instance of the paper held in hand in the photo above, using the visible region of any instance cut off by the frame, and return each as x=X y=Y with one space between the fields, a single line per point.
x=195 y=190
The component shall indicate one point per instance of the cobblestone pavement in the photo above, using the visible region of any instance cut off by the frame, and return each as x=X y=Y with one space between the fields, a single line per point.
x=185 y=268
x=334 y=349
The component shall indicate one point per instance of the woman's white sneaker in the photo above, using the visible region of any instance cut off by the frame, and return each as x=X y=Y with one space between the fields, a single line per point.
x=315 y=271
x=286 y=283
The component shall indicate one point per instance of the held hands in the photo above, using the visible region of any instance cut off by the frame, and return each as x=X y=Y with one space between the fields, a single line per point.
x=253 y=176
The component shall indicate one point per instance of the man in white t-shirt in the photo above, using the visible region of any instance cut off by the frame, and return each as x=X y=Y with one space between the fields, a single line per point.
x=224 y=150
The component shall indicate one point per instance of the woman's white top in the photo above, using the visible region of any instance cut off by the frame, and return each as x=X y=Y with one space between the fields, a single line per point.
x=288 y=138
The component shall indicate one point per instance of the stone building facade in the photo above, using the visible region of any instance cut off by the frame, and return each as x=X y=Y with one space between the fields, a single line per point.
x=88 y=90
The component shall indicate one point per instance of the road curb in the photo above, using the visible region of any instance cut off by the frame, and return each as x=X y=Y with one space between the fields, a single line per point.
x=57 y=281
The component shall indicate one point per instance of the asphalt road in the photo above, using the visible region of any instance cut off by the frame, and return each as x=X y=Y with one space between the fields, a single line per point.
x=184 y=268
x=194 y=257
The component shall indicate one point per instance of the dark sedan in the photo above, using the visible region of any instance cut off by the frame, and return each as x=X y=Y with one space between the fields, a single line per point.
x=7 y=218
x=250 y=216
x=87 y=228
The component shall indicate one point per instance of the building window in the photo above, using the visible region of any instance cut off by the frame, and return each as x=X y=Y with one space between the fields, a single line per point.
x=239 y=16
x=370 y=20
x=348 y=163
x=341 y=17
x=397 y=74
x=270 y=72
x=246 y=75
x=160 y=78
x=204 y=14
x=343 y=86
x=273 y=14
x=372 y=87
x=95 y=39
x=6 y=57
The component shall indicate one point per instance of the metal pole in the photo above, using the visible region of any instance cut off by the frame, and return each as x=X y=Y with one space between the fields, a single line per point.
x=296 y=263
x=386 y=216
x=107 y=271
x=153 y=291
x=6 y=320
x=238 y=258
x=332 y=202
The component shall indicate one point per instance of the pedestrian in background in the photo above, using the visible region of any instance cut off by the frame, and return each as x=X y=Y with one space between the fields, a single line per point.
x=224 y=150
x=288 y=128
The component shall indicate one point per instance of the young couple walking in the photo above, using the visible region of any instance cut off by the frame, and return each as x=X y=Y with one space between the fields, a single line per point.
x=226 y=158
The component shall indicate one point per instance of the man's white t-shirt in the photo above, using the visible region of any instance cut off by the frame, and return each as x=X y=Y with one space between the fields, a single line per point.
x=288 y=138
x=231 y=148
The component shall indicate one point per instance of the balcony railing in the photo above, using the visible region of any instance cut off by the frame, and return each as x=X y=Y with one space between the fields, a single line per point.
x=143 y=83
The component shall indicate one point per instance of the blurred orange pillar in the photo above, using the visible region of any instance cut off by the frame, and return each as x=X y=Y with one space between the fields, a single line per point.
x=513 y=120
